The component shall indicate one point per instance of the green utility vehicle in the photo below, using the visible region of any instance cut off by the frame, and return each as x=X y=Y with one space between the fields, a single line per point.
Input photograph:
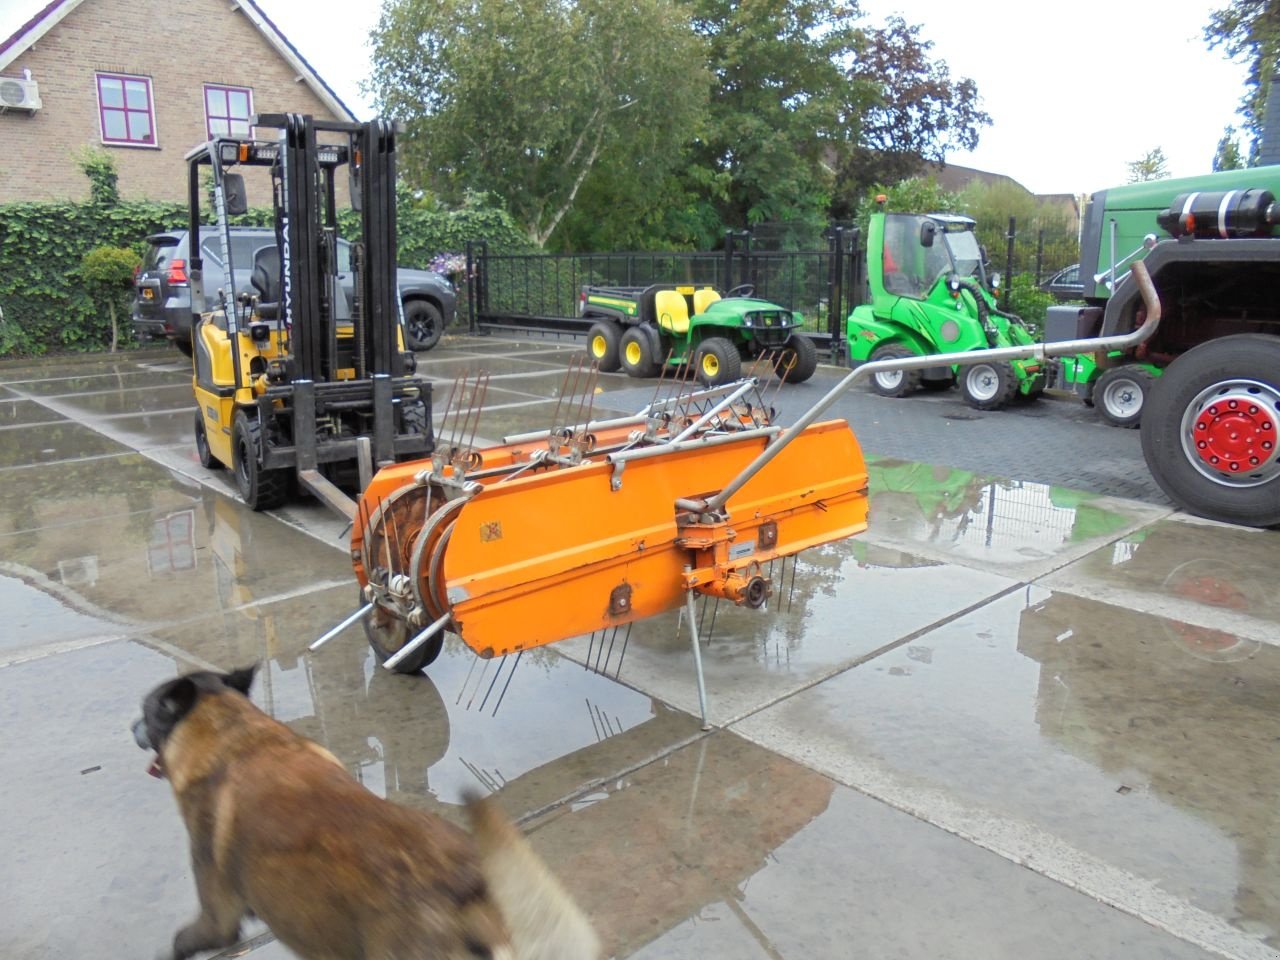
x=930 y=293
x=1209 y=421
x=639 y=329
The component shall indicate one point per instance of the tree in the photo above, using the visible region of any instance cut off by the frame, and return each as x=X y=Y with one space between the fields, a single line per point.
x=529 y=98
x=1250 y=30
x=906 y=109
x=1150 y=167
x=775 y=122
x=108 y=272
x=1228 y=155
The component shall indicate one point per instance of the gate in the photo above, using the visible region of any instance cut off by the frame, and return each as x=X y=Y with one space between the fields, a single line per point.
x=543 y=291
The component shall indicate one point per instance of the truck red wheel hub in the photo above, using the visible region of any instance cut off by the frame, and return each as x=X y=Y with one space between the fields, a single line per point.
x=1235 y=434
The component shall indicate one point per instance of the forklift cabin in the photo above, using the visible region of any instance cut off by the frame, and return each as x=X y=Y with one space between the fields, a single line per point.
x=293 y=378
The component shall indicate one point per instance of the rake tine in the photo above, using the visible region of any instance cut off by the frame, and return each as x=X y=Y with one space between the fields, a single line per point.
x=712 y=629
x=794 y=563
x=479 y=680
x=609 y=656
x=503 y=695
x=496 y=674
x=599 y=654
x=595 y=727
x=591 y=644
x=467 y=679
x=617 y=674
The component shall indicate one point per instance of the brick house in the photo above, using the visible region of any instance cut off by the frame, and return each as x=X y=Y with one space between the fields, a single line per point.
x=145 y=80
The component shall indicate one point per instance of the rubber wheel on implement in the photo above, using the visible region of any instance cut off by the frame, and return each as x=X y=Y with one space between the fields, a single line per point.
x=1120 y=394
x=423 y=325
x=717 y=361
x=896 y=383
x=798 y=359
x=261 y=489
x=636 y=355
x=988 y=385
x=387 y=634
x=603 y=342
x=207 y=459
x=1217 y=405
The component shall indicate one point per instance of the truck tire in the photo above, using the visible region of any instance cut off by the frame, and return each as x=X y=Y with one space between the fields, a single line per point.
x=988 y=385
x=603 y=342
x=798 y=359
x=1120 y=393
x=207 y=459
x=1209 y=435
x=717 y=361
x=261 y=489
x=635 y=354
x=423 y=324
x=387 y=634
x=896 y=383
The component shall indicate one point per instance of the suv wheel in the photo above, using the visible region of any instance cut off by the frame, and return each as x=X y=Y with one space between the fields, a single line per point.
x=423 y=324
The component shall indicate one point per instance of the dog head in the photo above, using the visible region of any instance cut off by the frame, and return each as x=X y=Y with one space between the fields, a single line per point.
x=168 y=704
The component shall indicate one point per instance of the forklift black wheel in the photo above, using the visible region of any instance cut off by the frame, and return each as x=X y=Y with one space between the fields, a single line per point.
x=894 y=383
x=717 y=361
x=207 y=459
x=988 y=385
x=798 y=359
x=260 y=489
x=423 y=324
x=603 y=342
x=387 y=634
x=636 y=355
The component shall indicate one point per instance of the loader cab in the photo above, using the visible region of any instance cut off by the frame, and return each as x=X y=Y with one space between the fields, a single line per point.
x=919 y=250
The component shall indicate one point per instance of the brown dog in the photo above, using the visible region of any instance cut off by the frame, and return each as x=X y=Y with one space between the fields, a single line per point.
x=279 y=830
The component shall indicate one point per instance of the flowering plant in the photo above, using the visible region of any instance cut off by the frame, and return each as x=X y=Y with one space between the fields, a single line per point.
x=448 y=263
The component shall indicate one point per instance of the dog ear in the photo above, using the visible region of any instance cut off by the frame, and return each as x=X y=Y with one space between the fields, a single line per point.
x=241 y=679
x=179 y=698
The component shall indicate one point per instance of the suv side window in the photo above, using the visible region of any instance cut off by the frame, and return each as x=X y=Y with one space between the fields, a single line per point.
x=344 y=257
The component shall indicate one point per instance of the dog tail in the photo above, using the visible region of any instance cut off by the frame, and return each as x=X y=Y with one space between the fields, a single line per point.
x=544 y=921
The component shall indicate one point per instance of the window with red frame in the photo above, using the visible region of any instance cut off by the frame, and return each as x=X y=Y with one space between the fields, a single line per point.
x=227 y=110
x=126 y=111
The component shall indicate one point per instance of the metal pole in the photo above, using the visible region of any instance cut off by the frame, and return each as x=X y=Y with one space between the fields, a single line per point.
x=1042 y=351
x=697 y=657
x=391 y=661
x=1008 y=264
x=321 y=641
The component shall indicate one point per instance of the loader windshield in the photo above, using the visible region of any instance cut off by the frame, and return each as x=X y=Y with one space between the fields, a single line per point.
x=912 y=268
x=966 y=255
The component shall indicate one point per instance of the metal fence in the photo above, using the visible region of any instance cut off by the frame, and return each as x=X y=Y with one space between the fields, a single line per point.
x=543 y=291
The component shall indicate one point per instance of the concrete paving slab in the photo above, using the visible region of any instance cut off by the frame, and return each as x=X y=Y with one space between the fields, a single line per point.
x=68 y=366
x=135 y=400
x=725 y=851
x=149 y=430
x=23 y=413
x=1088 y=742
x=55 y=442
x=1021 y=529
x=126 y=379
x=1215 y=576
x=443 y=369
x=850 y=599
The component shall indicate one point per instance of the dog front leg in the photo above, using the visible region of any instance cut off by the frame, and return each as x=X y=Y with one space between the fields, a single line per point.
x=206 y=932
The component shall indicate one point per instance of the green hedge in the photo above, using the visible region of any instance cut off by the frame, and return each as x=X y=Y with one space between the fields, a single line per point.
x=47 y=306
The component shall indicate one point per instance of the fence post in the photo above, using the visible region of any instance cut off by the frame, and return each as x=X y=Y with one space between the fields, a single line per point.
x=1039 y=254
x=1008 y=264
x=835 y=294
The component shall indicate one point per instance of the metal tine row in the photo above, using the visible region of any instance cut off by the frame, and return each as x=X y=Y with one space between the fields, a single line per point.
x=671 y=393
x=597 y=653
x=461 y=421
x=493 y=682
x=575 y=407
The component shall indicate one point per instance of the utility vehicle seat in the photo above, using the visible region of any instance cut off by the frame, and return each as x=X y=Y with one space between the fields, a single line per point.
x=266 y=280
x=672 y=310
x=704 y=298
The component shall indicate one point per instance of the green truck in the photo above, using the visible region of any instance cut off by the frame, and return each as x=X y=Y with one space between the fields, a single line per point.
x=929 y=292
x=641 y=329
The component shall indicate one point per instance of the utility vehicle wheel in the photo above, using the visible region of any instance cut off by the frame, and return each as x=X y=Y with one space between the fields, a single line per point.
x=636 y=355
x=261 y=489
x=387 y=634
x=798 y=359
x=717 y=361
x=603 y=342
x=987 y=385
x=1120 y=392
x=207 y=459
x=894 y=383
x=1209 y=430
x=423 y=325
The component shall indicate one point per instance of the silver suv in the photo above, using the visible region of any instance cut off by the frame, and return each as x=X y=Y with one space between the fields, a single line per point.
x=162 y=291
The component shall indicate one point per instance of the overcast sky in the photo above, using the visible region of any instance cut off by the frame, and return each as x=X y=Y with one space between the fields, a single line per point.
x=1075 y=90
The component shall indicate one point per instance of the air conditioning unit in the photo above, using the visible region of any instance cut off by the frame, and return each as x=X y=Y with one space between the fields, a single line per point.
x=18 y=94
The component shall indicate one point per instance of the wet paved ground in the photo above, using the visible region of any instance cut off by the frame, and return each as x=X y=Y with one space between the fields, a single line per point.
x=1016 y=718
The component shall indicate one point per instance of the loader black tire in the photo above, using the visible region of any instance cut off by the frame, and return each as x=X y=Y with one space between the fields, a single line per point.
x=717 y=361
x=636 y=354
x=898 y=383
x=798 y=359
x=604 y=340
x=1245 y=367
x=988 y=385
x=1120 y=394
x=261 y=489
x=207 y=459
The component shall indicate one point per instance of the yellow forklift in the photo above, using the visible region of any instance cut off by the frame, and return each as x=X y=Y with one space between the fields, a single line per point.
x=299 y=383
